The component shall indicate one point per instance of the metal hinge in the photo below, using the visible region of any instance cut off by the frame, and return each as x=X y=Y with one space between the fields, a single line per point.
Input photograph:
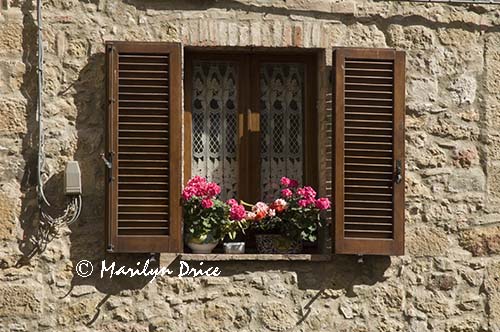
x=398 y=177
x=109 y=164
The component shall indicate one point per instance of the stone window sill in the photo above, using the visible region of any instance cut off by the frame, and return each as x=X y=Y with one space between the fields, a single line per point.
x=245 y=257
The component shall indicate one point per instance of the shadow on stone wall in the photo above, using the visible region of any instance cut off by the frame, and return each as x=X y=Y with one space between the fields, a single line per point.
x=29 y=89
x=330 y=13
x=87 y=235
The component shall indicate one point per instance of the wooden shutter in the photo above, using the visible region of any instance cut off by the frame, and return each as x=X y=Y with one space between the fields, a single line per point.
x=144 y=147
x=369 y=93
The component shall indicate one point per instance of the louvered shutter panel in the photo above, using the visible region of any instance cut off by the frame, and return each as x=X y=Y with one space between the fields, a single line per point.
x=369 y=93
x=144 y=138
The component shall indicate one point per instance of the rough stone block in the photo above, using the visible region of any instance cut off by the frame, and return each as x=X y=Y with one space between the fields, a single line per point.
x=359 y=35
x=493 y=146
x=481 y=241
x=420 y=91
x=19 y=300
x=412 y=37
x=12 y=113
x=492 y=64
x=463 y=89
x=472 y=179
x=11 y=76
x=277 y=316
x=458 y=37
x=11 y=37
x=345 y=7
x=492 y=110
x=426 y=241
x=492 y=290
x=9 y=209
x=445 y=282
x=493 y=181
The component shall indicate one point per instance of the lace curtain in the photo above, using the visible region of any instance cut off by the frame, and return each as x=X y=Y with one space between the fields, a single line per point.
x=281 y=100
x=214 y=125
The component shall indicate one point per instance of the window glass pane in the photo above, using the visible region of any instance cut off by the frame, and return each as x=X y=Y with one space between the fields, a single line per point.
x=281 y=114
x=215 y=125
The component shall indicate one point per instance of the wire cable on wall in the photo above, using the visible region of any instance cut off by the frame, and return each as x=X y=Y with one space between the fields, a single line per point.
x=49 y=225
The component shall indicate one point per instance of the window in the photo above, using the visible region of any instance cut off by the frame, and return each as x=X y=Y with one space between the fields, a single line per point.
x=246 y=115
x=250 y=117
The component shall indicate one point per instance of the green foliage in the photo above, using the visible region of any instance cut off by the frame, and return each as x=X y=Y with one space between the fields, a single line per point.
x=205 y=225
x=295 y=222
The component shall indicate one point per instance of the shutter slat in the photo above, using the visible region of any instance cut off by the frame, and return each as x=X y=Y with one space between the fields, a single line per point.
x=134 y=200
x=375 y=197
x=146 y=112
x=142 y=193
x=369 y=95
x=360 y=234
x=365 y=203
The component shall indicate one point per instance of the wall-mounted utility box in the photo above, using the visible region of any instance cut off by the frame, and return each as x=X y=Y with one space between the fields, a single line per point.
x=73 y=179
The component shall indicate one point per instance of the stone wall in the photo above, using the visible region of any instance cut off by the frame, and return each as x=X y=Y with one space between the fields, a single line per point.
x=449 y=280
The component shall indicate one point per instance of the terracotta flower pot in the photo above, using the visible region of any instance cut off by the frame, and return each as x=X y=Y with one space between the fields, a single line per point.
x=277 y=244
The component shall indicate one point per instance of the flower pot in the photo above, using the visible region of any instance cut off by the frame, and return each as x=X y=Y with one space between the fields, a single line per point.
x=277 y=244
x=234 y=247
x=202 y=248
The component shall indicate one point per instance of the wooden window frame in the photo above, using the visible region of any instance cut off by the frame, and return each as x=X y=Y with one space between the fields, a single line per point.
x=248 y=60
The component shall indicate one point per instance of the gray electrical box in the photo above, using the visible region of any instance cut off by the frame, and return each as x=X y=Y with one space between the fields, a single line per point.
x=72 y=178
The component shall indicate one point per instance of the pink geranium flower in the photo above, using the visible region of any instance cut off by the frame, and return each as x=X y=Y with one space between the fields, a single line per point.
x=322 y=203
x=285 y=182
x=187 y=193
x=286 y=193
x=207 y=203
x=306 y=202
x=212 y=189
x=307 y=192
x=237 y=212
x=196 y=180
x=232 y=202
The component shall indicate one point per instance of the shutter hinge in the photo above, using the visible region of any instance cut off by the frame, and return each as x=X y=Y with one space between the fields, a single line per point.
x=399 y=171
x=111 y=248
x=109 y=164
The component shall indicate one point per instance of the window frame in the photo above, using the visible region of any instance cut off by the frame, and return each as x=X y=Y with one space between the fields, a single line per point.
x=248 y=85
